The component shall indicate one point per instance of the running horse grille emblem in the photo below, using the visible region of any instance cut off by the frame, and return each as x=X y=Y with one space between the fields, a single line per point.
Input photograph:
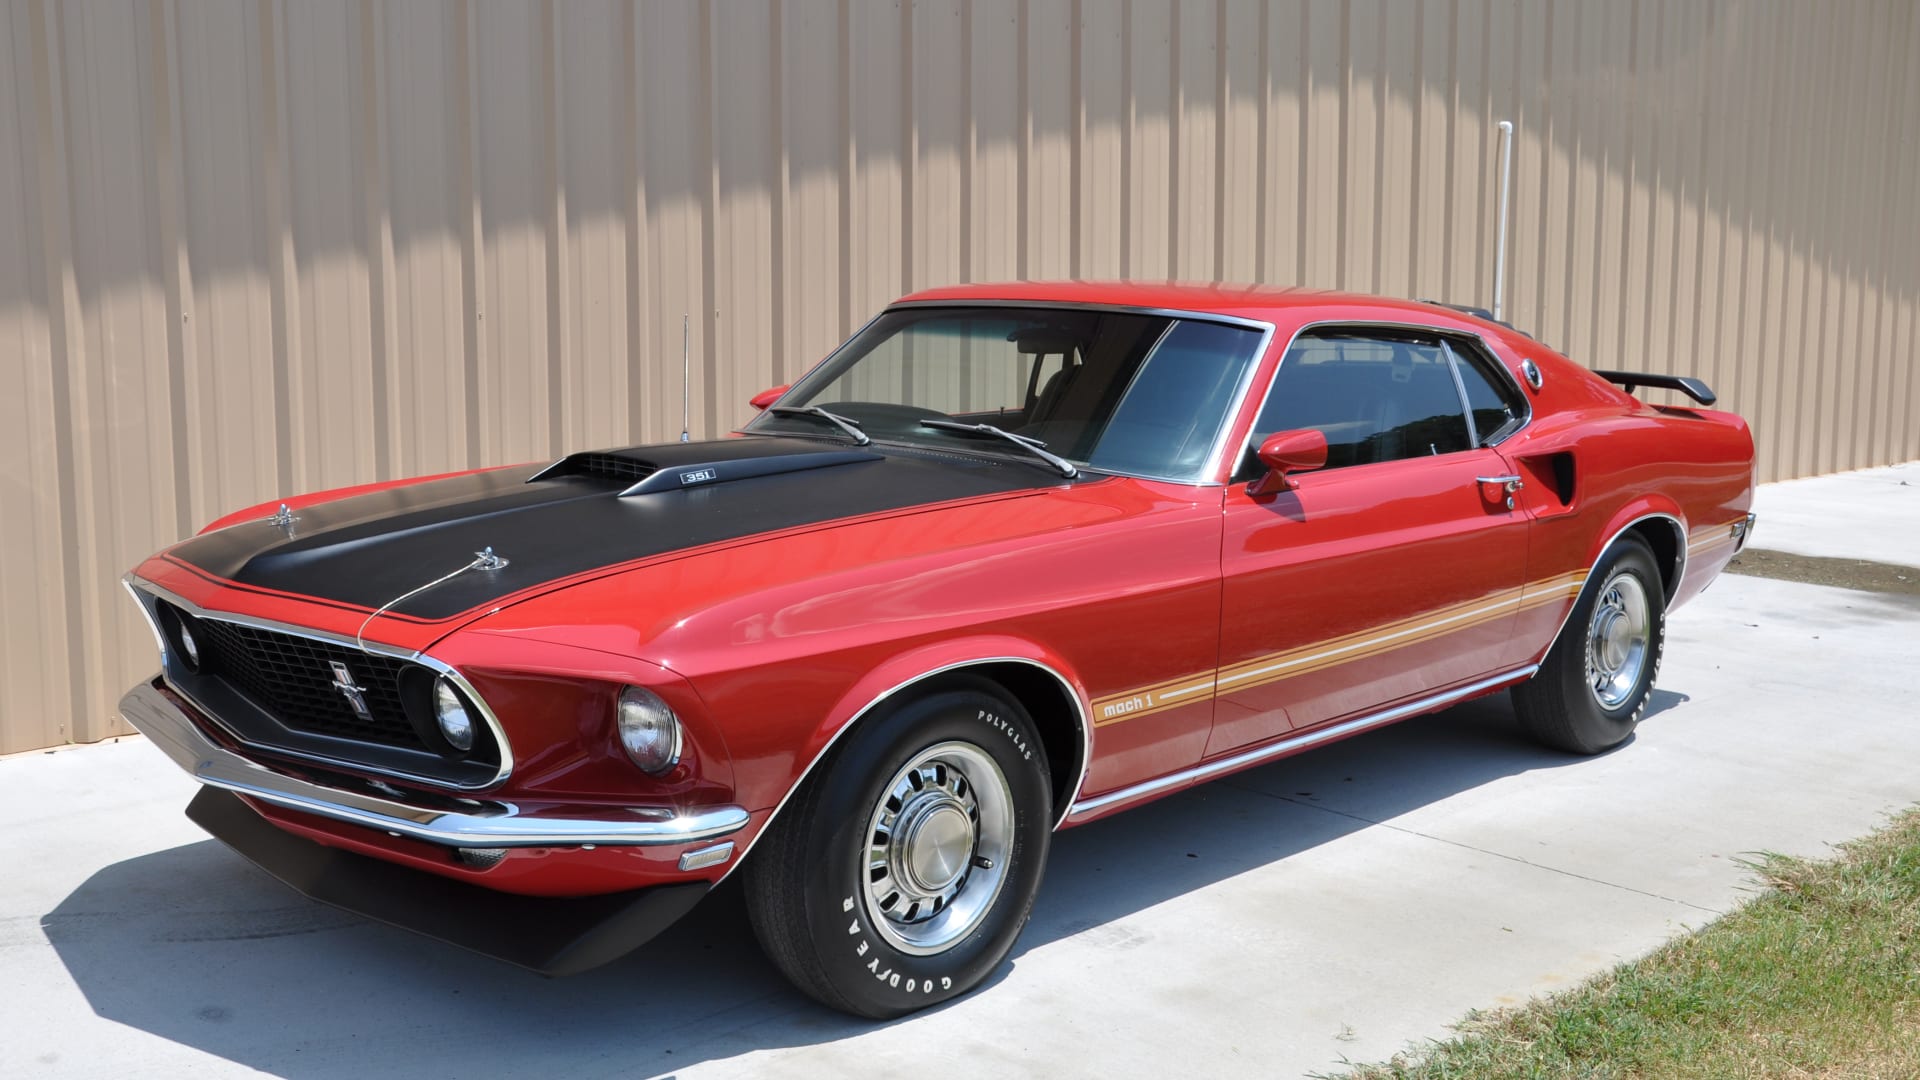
x=356 y=696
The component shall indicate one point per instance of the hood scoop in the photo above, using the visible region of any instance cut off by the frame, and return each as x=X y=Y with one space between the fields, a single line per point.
x=598 y=463
x=655 y=473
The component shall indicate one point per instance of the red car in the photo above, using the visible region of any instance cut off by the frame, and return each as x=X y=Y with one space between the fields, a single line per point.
x=1013 y=558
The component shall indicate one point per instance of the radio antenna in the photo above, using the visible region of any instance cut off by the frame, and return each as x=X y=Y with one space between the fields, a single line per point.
x=686 y=383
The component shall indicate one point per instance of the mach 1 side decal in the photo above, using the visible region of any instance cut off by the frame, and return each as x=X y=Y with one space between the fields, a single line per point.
x=1154 y=698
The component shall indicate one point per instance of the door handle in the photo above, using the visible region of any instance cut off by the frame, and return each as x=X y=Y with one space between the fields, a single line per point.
x=1506 y=486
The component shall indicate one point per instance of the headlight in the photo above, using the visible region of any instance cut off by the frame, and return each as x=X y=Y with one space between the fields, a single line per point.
x=450 y=711
x=649 y=732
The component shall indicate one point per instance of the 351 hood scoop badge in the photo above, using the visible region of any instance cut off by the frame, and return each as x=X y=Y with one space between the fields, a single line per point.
x=719 y=472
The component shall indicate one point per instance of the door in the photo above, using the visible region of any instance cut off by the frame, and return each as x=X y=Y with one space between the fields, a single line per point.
x=1393 y=572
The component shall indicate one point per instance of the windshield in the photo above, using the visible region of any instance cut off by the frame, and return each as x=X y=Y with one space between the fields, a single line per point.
x=1145 y=395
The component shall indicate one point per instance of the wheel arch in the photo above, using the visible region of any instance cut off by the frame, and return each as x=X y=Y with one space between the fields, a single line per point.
x=1056 y=710
x=1663 y=530
x=1039 y=681
x=1665 y=534
x=1660 y=522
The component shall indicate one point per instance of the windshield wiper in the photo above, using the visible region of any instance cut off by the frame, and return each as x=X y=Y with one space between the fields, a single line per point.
x=1032 y=446
x=851 y=427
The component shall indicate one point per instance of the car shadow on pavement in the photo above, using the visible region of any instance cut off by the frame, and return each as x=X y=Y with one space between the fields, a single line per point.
x=196 y=947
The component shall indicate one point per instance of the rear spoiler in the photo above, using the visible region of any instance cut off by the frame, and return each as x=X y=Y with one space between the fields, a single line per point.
x=1693 y=388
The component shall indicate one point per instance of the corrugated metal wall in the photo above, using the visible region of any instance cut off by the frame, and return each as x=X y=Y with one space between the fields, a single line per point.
x=258 y=247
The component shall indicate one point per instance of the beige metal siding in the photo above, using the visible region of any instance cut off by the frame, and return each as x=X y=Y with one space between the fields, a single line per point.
x=249 y=247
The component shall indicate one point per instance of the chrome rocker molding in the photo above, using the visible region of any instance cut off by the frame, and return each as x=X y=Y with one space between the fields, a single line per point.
x=1079 y=716
x=135 y=586
x=1209 y=769
x=487 y=825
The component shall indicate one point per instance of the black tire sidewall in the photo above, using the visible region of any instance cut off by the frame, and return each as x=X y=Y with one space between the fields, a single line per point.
x=1597 y=724
x=875 y=978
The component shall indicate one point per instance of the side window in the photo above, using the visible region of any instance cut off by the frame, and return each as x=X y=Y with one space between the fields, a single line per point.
x=1496 y=404
x=1375 y=397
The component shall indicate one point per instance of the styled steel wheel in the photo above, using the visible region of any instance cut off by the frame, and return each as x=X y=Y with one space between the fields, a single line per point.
x=1594 y=684
x=937 y=846
x=902 y=871
x=1617 y=637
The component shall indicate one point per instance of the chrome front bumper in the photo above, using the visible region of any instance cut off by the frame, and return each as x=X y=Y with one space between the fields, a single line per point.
x=484 y=824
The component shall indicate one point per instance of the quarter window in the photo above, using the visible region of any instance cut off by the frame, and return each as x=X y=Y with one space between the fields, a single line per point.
x=1375 y=397
x=1496 y=404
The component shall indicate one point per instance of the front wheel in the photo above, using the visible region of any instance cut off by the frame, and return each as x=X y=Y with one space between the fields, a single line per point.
x=904 y=870
x=1594 y=684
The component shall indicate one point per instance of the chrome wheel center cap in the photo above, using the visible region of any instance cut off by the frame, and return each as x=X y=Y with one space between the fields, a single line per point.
x=935 y=845
x=1613 y=641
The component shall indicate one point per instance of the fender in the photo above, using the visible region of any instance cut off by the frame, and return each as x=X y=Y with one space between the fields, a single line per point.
x=1636 y=510
x=916 y=666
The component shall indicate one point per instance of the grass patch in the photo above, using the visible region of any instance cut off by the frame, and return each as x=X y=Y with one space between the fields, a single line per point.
x=1818 y=976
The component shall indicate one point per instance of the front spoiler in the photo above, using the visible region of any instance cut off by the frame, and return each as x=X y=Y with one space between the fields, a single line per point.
x=552 y=936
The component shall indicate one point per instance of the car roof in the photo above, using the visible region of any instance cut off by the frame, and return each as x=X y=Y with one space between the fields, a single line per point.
x=1264 y=302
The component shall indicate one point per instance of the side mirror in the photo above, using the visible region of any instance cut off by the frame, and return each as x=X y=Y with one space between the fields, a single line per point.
x=764 y=398
x=1286 y=452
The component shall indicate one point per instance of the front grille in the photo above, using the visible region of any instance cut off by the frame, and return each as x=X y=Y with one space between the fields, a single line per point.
x=292 y=678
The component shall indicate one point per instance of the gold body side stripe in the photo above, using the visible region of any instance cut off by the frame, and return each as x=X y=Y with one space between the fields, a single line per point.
x=1373 y=641
x=1152 y=699
x=1714 y=538
x=1260 y=671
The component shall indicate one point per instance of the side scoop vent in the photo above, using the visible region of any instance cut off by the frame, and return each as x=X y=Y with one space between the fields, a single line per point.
x=645 y=478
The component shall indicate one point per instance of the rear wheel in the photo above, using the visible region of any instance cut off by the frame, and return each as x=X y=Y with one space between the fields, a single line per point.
x=1594 y=685
x=903 y=871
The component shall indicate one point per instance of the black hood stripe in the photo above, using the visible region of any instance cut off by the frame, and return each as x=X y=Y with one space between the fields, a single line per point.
x=366 y=550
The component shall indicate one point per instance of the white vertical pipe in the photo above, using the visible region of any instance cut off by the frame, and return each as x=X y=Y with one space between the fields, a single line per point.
x=686 y=378
x=1500 y=241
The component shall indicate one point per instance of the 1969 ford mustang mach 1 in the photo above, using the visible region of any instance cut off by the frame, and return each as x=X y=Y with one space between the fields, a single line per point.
x=1014 y=558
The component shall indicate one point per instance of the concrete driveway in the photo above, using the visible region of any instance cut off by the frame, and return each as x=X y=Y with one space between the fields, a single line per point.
x=1337 y=905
